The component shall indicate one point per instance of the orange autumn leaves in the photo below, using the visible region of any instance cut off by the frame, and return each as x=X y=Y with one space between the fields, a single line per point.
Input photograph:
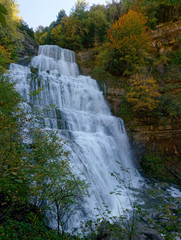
x=129 y=37
x=128 y=48
x=129 y=31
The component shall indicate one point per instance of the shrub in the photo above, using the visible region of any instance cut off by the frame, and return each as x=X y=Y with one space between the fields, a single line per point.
x=143 y=94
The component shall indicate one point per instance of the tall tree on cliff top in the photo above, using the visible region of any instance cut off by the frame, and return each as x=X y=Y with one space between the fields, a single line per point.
x=157 y=11
x=97 y=25
x=129 y=37
x=128 y=45
x=71 y=31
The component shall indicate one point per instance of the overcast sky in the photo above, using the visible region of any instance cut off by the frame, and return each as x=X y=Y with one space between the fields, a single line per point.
x=43 y=12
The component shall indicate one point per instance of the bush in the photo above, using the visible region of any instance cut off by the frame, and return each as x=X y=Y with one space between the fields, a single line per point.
x=143 y=94
x=152 y=164
x=176 y=57
x=169 y=105
x=21 y=230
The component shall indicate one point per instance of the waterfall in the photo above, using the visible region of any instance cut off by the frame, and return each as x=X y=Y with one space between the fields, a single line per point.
x=96 y=140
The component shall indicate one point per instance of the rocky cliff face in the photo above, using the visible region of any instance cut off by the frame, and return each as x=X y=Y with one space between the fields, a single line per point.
x=166 y=36
x=29 y=49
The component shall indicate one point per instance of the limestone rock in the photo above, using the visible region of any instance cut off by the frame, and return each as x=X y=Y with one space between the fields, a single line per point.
x=30 y=49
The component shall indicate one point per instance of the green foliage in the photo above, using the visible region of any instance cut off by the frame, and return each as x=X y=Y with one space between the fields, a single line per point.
x=12 y=156
x=128 y=47
x=40 y=170
x=175 y=57
x=85 y=28
x=60 y=16
x=71 y=31
x=169 y=105
x=5 y=58
x=34 y=228
x=152 y=165
x=162 y=211
x=39 y=31
x=54 y=181
x=10 y=36
x=143 y=94
x=109 y=60
x=108 y=226
x=114 y=10
x=3 y=11
x=97 y=25
x=157 y=11
x=82 y=29
x=125 y=111
x=23 y=27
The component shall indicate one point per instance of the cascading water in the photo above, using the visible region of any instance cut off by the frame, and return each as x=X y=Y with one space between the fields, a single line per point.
x=96 y=140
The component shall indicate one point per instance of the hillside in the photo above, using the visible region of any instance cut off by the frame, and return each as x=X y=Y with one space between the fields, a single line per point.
x=153 y=134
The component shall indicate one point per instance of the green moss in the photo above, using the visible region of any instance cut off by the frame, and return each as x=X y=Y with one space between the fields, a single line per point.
x=23 y=230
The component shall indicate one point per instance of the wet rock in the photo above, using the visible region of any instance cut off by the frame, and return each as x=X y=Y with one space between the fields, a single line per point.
x=145 y=233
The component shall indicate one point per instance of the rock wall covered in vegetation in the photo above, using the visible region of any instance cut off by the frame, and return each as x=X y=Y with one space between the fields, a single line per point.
x=150 y=135
x=29 y=49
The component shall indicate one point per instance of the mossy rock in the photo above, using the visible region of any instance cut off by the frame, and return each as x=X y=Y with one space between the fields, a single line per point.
x=34 y=70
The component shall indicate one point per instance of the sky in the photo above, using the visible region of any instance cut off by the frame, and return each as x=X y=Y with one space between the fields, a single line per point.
x=43 y=12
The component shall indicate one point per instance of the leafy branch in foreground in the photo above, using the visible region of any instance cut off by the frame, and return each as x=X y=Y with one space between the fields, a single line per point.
x=55 y=187
x=3 y=11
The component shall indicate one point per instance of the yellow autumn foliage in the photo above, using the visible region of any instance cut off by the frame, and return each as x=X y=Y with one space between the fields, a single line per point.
x=5 y=58
x=9 y=34
x=143 y=94
x=42 y=38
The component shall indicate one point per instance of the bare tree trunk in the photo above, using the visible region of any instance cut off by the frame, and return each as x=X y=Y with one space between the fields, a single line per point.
x=58 y=219
x=174 y=174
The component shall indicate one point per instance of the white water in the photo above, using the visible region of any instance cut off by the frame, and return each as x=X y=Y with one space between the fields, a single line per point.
x=96 y=140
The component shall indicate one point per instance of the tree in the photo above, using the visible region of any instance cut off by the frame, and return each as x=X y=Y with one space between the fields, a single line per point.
x=23 y=27
x=128 y=36
x=5 y=58
x=143 y=94
x=3 y=12
x=13 y=161
x=58 y=35
x=157 y=11
x=60 y=16
x=33 y=164
x=10 y=36
x=79 y=8
x=97 y=25
x=39 y=31
x=114 y=10
x=54 y=183
x=43 y=38
x=72 y=31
